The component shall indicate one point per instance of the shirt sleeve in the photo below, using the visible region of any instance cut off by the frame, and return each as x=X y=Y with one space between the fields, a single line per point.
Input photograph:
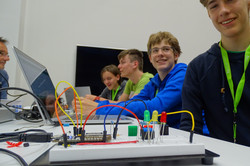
x=140 y=85
x=191 y=101
x=104 y=93
x=168 y=99
x=127 y=89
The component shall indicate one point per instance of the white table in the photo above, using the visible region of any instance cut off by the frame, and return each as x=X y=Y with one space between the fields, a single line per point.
x=38 y=153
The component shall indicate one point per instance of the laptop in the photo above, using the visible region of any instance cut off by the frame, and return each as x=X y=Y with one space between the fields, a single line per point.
x=81 y=91
x=6 y=115
x=41 y=85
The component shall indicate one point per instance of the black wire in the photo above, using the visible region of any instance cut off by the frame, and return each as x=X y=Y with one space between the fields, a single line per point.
x=20 y=160
x=16 y=114
x=20 y=132
x=18 y=96
x=37 y=98
x=15 y=135
x=14 y=138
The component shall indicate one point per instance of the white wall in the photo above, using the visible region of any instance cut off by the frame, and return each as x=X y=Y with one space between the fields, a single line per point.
x=51 y=29
x=10 y=11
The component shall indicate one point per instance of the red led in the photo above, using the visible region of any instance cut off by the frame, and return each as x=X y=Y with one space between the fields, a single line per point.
x=163 y=117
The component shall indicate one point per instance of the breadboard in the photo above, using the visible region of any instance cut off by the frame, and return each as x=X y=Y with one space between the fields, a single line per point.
x=163 y=146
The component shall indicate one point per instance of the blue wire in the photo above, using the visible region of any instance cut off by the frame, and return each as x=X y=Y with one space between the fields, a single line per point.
x=104 y=123
x=118 y=118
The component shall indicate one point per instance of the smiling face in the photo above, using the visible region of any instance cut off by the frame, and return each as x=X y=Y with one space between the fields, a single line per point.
x=3 y=55
x=110 y=80
x=163 y=58
x=230 y=17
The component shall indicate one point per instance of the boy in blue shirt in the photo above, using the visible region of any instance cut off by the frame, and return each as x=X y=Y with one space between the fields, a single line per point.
x=163 y=92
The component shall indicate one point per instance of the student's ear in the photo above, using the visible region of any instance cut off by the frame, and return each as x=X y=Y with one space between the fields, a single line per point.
x=135 y=64
x=149 y=57
x=208 y=14
x=118 y=77
x=176 y=57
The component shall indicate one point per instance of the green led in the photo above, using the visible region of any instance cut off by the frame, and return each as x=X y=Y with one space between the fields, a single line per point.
x=155 y=116
x=146 y=116
x=132 y=130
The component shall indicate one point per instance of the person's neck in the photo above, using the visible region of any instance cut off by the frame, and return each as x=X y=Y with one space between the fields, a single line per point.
x=115 y=87
x=136 y=76
x=237 y=43
x=164 y=73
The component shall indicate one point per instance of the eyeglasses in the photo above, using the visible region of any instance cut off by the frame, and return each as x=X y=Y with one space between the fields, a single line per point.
x=3 y=54
x=165 y=49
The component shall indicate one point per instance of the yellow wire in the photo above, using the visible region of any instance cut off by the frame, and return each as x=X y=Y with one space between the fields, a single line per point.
x=62 y=108
x=177 y=112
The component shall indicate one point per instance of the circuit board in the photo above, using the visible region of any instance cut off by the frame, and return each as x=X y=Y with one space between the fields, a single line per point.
x=128 y=147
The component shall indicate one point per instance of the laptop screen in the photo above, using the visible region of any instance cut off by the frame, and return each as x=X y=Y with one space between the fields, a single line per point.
x=38 y=79
x=41 y=85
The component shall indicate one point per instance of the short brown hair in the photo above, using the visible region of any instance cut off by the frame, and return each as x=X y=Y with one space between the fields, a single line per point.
x=157 y=38
x=134 y=55
x=204 y=2
x=2 y=40
x=112 y=69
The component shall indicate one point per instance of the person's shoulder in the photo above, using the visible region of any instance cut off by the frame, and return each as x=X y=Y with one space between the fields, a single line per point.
x=206 y=61
x=178 y=70
x=124 y=82
x=212 y=53
x=148 y=75
x=4 y=73
x=106 y=89
x=129 y=82
x=181 y=66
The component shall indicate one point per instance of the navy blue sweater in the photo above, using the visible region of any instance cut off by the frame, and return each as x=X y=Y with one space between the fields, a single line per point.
x=202 y=91
x=4 y=83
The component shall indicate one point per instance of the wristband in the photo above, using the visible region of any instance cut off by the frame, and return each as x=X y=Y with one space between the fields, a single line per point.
x=97 y=98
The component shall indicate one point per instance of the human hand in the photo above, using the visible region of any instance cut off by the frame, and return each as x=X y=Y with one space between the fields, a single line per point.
x=59 y=112
x=90 y=97
x=87 y=105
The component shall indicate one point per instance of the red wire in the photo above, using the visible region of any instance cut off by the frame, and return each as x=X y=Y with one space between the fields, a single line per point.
x=111 y=106
x=106 y=143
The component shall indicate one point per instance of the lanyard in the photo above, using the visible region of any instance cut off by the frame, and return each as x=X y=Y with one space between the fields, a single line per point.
x=115 y=93
x=156 y=92
x=237 y=96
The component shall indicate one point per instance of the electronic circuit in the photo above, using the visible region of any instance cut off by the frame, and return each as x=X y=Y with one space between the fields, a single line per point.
x=89 y=137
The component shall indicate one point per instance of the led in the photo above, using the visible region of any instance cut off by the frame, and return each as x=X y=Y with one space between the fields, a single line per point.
x=155 y=116
x=163 y=117
x=146 y=116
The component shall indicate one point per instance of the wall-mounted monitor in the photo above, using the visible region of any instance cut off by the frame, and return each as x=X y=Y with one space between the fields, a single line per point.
x=90 y=61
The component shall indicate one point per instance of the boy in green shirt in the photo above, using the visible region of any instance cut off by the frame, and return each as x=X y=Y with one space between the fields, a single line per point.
x=131 y=67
